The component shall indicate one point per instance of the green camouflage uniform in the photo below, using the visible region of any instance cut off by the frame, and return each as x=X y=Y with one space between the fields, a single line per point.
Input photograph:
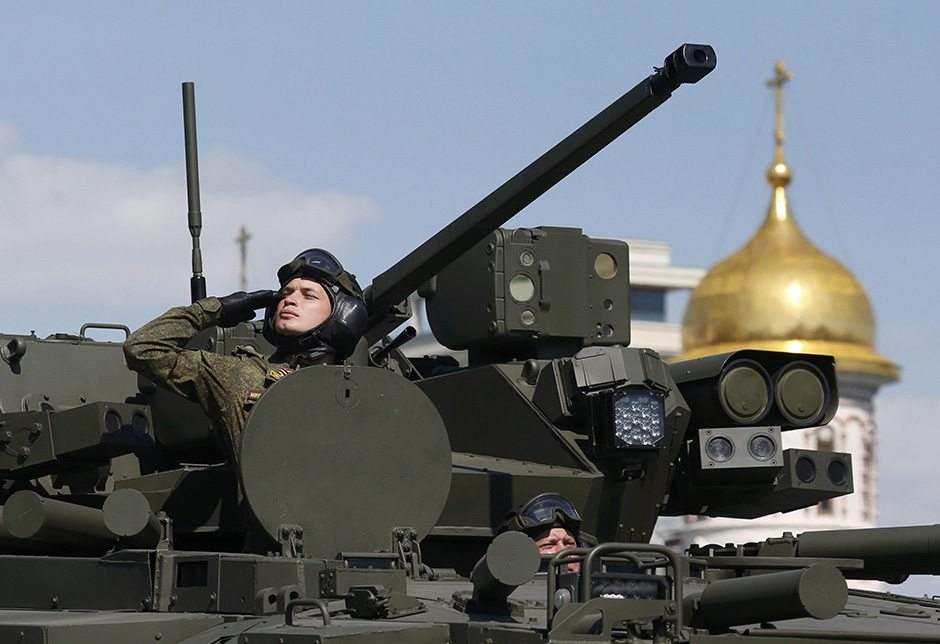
x=224 y=386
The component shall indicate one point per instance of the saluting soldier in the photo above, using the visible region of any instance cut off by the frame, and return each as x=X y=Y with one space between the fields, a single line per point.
x=316 y=317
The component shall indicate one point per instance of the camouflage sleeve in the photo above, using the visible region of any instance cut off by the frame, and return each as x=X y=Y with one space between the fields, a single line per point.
x=158 y=351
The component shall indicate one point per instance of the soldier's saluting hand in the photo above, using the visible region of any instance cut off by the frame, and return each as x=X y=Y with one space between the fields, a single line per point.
x=316 y=317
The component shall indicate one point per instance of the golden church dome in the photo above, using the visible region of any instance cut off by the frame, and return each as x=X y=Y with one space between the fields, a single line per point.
x=780 y=292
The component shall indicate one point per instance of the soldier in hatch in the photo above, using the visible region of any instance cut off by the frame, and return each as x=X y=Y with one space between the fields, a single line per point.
x=316 y=317
x=550 y=519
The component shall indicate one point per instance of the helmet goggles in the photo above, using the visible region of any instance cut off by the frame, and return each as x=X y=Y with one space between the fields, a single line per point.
x=545 y=510
x=320 y=265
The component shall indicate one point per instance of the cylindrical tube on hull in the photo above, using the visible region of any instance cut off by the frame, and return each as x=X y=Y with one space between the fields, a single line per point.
x=510 y=561
x=888 y=553
x=819 y=591
x=27 y=515
x=127 y=514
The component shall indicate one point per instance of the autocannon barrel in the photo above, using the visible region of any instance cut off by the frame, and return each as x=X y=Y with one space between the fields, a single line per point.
x=687 y=64
x=510 y=561
x=889 y=553
x=819 y=591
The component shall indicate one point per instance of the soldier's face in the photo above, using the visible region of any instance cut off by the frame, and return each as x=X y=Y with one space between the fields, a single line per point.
x=304 y=305
x=556 y=540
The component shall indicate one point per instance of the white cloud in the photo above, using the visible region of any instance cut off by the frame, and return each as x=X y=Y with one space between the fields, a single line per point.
x=79 y=236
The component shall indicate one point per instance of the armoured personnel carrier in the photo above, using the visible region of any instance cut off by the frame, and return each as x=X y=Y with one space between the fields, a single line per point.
x=363 y=506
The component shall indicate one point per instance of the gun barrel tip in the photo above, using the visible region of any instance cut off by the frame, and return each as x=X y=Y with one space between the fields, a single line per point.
x=699 y=54
x=690 y=63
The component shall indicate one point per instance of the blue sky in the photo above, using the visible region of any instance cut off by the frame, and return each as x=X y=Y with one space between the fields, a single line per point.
x=367 y=126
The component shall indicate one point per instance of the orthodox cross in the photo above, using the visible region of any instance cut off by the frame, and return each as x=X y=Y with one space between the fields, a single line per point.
x=782 y=76
x=242 y=241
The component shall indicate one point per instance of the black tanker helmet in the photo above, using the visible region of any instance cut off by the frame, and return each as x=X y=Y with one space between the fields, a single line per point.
x=348 y=318
x=541 y=513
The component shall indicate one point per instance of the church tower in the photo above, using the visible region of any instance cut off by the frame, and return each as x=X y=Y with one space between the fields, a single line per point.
x=781 y=292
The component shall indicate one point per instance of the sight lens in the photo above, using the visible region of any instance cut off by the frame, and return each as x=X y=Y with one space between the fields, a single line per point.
x=719 y=449
x=744 y=392
x=801 y=395
x=605 y=266
x=838 y=472
x=112 y=421
x=805 y=469
x=762 y=447
x=140 y=423
x=522 y=288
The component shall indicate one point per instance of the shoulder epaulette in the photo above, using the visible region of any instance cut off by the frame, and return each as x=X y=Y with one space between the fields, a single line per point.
x=247 y=351
x=276 y=374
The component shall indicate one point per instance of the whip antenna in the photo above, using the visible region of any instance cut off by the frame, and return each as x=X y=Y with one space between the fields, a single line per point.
x=197 y=283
